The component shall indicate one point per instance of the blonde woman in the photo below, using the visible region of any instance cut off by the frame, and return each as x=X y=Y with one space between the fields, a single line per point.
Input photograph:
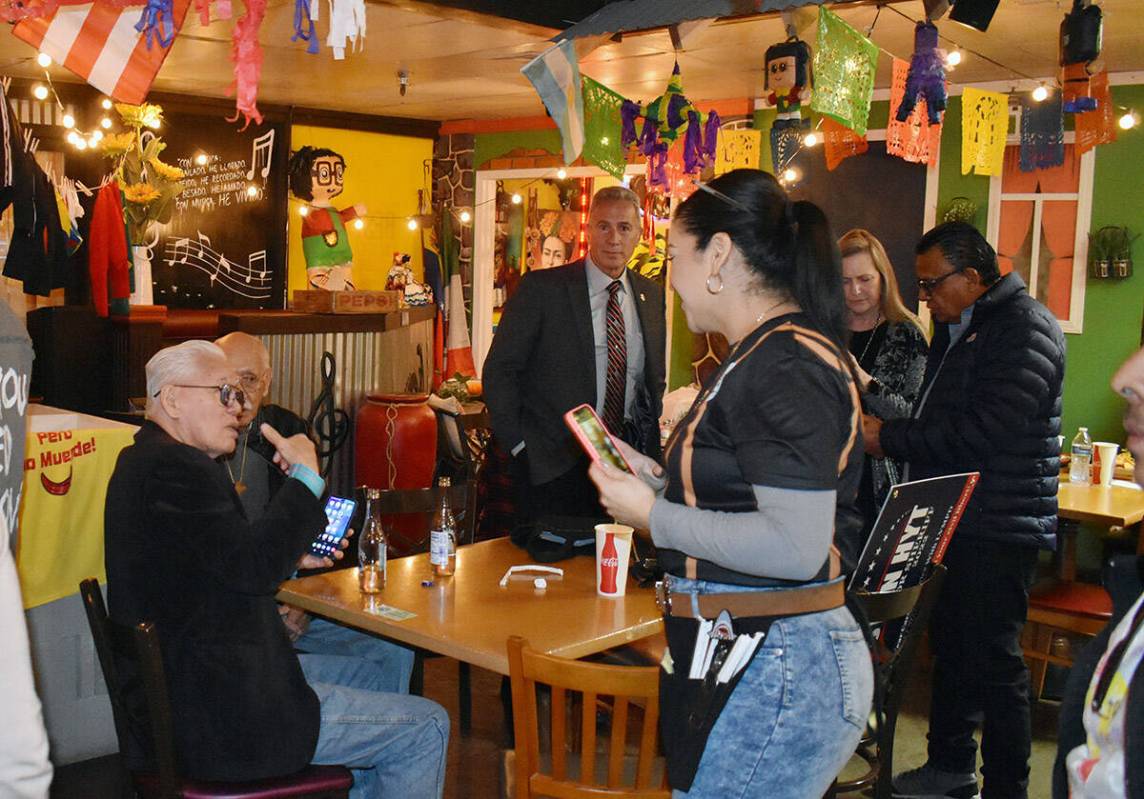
x=888 y=346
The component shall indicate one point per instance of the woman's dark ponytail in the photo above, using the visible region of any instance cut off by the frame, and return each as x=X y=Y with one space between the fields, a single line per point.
x=817 y=278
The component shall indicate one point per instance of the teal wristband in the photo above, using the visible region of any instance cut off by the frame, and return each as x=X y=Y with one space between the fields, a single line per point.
x=308 y=477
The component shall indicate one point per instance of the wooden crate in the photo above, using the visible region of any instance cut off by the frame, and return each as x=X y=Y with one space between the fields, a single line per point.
x=309 y=301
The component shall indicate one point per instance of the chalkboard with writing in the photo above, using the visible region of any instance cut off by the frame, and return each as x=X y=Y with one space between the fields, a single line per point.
x=225 y=246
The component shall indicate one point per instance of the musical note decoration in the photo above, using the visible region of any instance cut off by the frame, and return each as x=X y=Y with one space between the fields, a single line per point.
x=252 y=280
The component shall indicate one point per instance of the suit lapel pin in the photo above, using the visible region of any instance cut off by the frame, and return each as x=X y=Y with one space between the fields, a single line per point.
x=642 y=297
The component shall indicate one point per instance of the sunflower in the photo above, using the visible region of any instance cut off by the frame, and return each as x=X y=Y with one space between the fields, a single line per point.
x=147 y=115
x=114 y=144
x=141 y=193
x=166 y=171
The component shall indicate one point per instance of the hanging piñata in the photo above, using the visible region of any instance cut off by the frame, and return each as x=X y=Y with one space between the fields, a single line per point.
x=926 y=78
x=1081 y=32
x=789 y=79
x=656 y=127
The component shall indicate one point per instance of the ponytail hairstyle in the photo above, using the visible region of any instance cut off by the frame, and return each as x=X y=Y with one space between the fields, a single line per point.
x=857 y=241
x=300 y=168
x=788 y=246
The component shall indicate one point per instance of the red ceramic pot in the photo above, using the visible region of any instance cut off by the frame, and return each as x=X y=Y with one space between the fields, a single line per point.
x=395 y=445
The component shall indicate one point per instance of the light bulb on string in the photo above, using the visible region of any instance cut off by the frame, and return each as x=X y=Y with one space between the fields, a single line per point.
x=517 y=199
x=79 y=143
x=96 y=136
x=105 y=123
x=92 y=141
x=44 y=60
x=40 y=91
x=952 y=59
x=561 y=173
x=790 y=175
x=252 y=191
x=68 y=121
x=201 y=160
x=304 y=210
x=105 y=103
x=359 y=224
x=810 y=139
x=1040 y=94
x=1128 y=120
x=466 y=217
x=72 y=137
x=411 y=224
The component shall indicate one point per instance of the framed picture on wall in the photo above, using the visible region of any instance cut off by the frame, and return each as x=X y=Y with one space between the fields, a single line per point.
x=552 y=240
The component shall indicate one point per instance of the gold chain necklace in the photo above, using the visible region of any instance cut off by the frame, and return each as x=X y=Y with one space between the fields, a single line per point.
x=239 y=486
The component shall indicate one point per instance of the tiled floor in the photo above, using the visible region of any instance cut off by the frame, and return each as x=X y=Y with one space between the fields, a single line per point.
x=475 y=759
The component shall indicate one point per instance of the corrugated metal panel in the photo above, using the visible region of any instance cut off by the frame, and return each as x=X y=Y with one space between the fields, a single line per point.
x=365 y=363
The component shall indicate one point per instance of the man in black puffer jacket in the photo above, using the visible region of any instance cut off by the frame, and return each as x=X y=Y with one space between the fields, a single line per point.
x=990 y=402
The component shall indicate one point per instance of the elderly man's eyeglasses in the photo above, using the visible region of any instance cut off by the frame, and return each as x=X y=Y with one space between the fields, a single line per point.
x=226 y=393
x=932 y=283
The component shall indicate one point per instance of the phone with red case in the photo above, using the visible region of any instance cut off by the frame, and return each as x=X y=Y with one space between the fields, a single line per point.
x=589 y=430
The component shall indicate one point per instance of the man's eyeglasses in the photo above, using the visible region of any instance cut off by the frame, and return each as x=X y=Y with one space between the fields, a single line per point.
x=226 y=393
x=932 y=283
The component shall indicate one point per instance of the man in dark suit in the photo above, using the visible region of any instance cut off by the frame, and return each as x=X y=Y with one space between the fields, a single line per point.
x=180 y=552
x=551 y=353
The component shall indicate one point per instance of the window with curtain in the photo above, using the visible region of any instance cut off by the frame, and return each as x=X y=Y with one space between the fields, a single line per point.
x=1038 y=223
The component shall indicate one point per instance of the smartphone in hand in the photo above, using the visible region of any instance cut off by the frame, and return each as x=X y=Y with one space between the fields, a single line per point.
x=589 y=430
x=339 y=511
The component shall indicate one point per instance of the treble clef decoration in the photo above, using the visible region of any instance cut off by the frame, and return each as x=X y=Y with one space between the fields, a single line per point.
x=331 y=425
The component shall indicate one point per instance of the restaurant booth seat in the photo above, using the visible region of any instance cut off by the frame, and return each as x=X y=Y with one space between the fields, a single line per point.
x=139 y=645
x=897 y=665
x=532 y=770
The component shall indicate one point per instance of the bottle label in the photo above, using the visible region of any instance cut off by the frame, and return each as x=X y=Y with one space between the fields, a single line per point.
x=439 y=547
x=609 y=566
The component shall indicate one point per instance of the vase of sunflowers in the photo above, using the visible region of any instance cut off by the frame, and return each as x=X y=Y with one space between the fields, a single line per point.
x=149 y=185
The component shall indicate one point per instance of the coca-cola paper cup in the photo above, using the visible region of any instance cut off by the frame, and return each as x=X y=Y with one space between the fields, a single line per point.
x=613 y=550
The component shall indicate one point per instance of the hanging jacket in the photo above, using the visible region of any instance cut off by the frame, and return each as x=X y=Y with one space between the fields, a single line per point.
x=108 y=259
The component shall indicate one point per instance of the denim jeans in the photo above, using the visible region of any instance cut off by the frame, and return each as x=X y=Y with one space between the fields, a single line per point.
x=393 y=662
x=795 y=717
x=395 y=743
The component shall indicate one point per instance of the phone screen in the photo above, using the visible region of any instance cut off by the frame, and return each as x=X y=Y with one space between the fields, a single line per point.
x=598 y=437
x=339 y=511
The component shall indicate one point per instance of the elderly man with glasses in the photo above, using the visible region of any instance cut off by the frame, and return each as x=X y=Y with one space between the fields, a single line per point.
x=990 y=402
x=181 y=552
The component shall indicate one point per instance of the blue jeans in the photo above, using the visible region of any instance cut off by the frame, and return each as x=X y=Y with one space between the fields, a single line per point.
x=393 y=662
x=394 y=743
x=795 y=717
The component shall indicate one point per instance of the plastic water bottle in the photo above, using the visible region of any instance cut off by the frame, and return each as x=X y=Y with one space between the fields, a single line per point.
x=372 y=553
x=1080 y=464
x=443 y=536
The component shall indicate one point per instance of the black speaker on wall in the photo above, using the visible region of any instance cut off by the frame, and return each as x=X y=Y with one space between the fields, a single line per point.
x=974 y=13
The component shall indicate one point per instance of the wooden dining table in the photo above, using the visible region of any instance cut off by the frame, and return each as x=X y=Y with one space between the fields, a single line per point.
x=1118 y=508
x=469 y=616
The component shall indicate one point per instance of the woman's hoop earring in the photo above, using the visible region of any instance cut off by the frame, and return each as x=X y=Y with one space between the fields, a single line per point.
x=714 y=289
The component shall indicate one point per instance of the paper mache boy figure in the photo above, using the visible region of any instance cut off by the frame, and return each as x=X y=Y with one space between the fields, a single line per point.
x=317 y=176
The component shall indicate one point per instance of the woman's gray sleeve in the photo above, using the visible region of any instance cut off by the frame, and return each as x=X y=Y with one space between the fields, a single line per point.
x=788 y=537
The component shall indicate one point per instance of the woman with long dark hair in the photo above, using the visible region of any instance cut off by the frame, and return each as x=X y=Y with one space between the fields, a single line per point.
x=759 y=480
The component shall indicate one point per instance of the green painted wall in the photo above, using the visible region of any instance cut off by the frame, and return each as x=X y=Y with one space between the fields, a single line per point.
x=495 y=145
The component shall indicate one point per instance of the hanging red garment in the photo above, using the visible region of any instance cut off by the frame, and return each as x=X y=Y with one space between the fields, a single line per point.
x=108 y=259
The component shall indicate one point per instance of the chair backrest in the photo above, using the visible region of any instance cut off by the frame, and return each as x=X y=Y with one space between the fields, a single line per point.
x=528 y=669
x=910 y=606
x=133 y=670
x=476 y=432
x=424 y=502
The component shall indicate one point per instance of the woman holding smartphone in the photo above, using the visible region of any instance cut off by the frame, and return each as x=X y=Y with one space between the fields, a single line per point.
x=760 y=478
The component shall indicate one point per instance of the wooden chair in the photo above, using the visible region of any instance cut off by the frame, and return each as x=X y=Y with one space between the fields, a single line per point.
x=142 y=711
x=1060 y=606
x=877 y=746
x=424 y=502
x=528 y=669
